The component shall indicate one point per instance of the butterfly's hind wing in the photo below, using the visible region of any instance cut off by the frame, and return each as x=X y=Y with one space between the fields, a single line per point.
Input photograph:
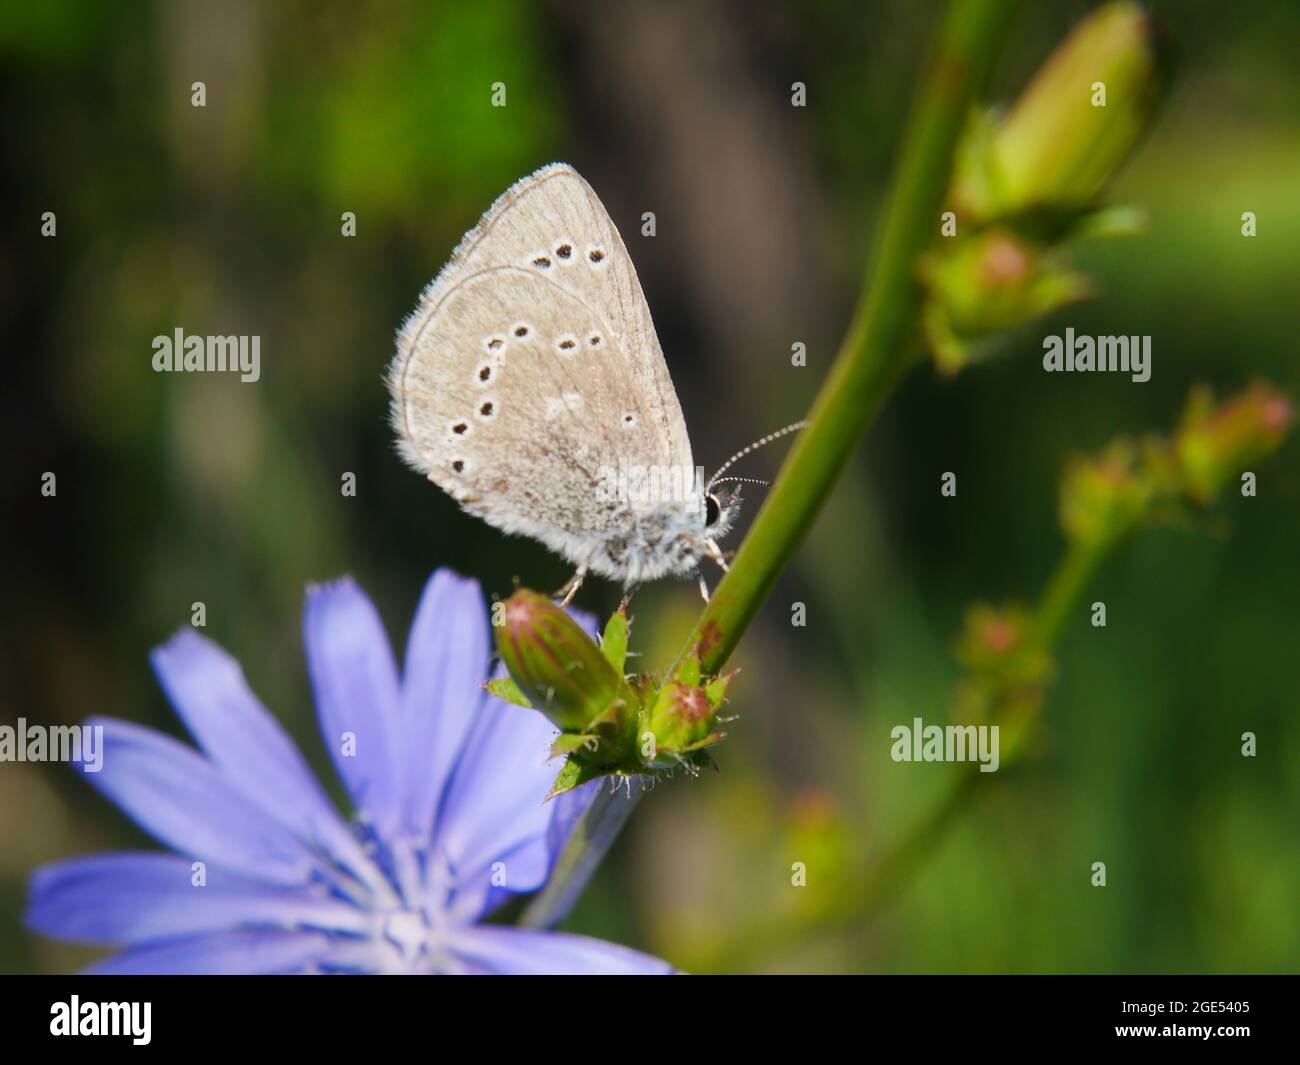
x=516 y=401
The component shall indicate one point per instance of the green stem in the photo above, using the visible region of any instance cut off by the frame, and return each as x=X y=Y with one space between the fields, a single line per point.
x=1061 y=597
x=586 y=846
x=881 y=335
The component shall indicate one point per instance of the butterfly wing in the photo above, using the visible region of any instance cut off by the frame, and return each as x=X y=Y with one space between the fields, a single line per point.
x=531 y=367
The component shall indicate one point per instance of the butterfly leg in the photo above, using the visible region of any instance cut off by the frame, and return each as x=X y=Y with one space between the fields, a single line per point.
x=565 y=594
x=716 y=553
x=704 y=587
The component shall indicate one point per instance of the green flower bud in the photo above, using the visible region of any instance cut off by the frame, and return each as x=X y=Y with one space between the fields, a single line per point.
x=1216 y=444
x=1007 y=668
x=557 y=666
x=986 y=284
x=992 y=636
x=681 y=716
x=1101 y=496
x=1081 y=115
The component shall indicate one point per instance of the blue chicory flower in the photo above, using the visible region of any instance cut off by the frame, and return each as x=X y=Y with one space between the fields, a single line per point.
x=448 y=783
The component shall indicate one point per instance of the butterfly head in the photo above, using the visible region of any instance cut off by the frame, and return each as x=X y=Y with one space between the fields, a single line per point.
x=722 y=499
x=721 y=508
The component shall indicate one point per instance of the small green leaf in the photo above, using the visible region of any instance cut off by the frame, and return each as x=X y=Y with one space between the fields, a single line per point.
x=507 y=689
x=708 y=741
x=615 y=728
x=574 y=775
x=569 y=777
x=688 y=670
x=568 y=742
x=1112 y=222
x=613 y=644
x=716 y=690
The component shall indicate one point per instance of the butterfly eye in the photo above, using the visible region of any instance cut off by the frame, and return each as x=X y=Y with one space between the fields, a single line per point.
x=712 y=512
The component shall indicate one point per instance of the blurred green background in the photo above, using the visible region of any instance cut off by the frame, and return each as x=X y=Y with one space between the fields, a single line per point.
x=173 y=489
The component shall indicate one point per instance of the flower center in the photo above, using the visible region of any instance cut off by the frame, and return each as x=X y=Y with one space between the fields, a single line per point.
x=411 y=923
x=408 y=932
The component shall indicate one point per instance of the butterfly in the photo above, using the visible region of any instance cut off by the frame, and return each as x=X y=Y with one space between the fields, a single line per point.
x=530 y=386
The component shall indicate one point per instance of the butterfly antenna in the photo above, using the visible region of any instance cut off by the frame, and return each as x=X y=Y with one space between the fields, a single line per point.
x=794 y=428
x=746 y=480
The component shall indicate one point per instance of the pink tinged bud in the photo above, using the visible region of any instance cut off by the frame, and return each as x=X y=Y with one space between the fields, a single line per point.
x=1005 y=261
x=1102 y=495
x=988 y=283
x=1276 y=414
x=554 y=663
x=1006 y=665
x=992 y=636
x=682 y=717
x=692 y=705
x=1216 y=444
x=999 y=636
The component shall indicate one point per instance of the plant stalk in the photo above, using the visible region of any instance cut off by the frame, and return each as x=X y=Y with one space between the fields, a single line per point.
x=586 y=846
x=882 y=333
